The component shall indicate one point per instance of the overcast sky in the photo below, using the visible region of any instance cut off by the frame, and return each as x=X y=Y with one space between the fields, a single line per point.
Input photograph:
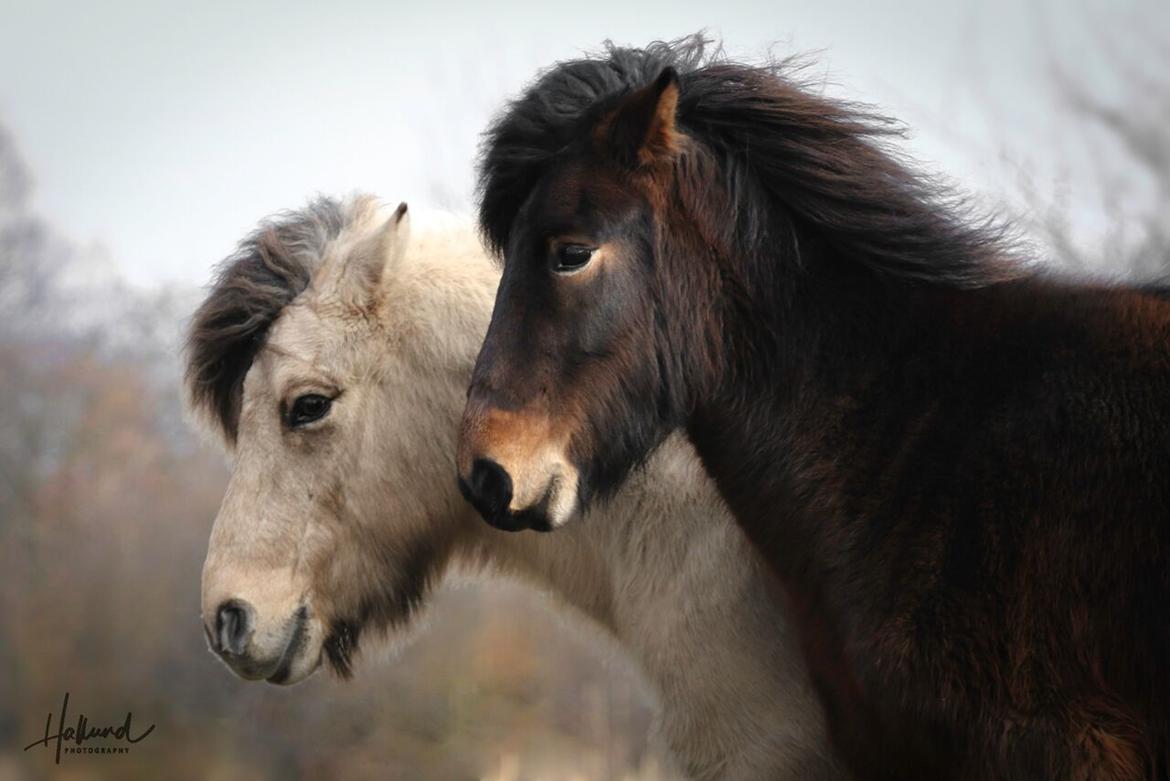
x=163 y=132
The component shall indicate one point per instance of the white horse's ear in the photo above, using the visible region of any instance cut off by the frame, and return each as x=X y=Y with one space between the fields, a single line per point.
x=376 y=256
x=397 y=236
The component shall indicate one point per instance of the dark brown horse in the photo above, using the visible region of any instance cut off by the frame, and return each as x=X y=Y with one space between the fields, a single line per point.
x=955 y=464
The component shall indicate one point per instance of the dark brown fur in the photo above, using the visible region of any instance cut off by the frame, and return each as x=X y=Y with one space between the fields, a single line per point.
x=955 y=464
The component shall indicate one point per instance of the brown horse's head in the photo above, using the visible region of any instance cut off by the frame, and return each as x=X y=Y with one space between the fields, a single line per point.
x=573 y=387
x=663 y=214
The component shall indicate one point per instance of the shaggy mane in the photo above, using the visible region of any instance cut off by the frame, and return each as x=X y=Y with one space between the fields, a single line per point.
x=269 y=268
x=777 y=143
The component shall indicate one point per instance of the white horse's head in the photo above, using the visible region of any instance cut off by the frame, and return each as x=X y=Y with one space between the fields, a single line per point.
x=334 y=373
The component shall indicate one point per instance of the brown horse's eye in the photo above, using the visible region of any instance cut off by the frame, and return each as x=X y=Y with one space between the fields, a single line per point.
x=308 y=408
x=571 y=257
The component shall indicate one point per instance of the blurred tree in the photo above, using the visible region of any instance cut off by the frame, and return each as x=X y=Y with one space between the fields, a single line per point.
x=1125 y=133
x=30 y=258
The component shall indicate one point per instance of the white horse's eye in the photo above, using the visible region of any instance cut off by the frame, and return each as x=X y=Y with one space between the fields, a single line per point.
x=308 y=408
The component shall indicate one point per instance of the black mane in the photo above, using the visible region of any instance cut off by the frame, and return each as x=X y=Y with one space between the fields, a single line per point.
x=269 y=268
x=777 y=143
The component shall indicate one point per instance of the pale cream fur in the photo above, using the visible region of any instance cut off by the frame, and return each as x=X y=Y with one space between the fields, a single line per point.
x=322 y=517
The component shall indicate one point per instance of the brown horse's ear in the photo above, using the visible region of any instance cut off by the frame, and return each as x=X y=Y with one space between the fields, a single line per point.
x=641 y=130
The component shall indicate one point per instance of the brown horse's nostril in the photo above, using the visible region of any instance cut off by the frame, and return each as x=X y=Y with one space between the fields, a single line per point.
x=489 y=489
x=233 y=627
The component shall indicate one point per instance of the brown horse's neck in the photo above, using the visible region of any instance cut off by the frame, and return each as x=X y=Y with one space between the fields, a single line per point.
x=802 y=359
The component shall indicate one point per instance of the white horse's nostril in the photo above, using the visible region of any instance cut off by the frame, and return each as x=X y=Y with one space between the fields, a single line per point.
x=233 y=627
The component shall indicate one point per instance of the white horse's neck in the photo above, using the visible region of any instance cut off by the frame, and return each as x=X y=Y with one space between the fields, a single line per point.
x=662 y=567
x=628 y=549
x=665 y=572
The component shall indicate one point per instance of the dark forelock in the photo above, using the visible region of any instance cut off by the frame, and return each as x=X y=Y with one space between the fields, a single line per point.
x=269 y=268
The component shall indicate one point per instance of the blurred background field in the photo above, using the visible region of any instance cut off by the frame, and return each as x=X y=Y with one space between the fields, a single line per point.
x=1061 y=118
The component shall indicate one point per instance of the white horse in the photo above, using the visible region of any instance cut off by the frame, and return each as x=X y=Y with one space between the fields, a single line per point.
x=333 y=359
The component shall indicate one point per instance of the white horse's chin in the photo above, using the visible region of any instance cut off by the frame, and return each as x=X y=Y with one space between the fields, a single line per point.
x=301 y=655
x=282 y=655
x=302 y=667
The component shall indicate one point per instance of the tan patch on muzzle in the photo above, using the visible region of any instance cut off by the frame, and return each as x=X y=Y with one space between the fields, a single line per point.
x=530 y=450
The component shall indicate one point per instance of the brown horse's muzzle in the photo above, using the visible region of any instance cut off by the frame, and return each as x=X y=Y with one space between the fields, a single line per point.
x=514 y=468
